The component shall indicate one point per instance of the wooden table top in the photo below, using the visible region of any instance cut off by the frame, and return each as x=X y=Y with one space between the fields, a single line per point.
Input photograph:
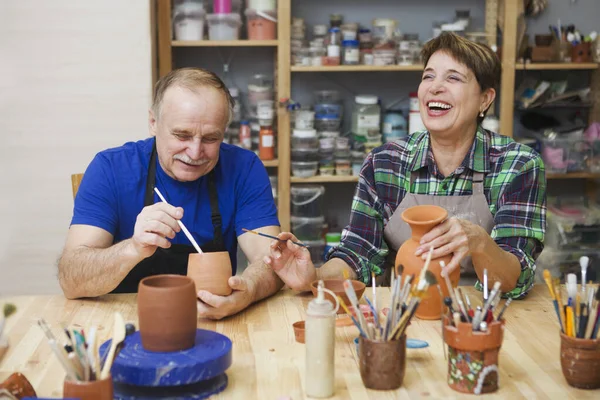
x=269 y=364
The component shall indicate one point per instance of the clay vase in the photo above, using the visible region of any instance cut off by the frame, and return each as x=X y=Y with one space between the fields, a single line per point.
x=89 y=390
x=18 y=386
x=473 y=356
x=167 y=313
x=421 y=220
x=580 y=361
x=211 y=272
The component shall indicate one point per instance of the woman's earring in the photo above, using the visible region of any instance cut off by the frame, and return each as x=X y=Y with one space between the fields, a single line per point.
x=481 y=114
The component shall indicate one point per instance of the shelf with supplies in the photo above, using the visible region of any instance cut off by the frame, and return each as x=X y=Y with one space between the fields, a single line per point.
x=555 y=66
x=224 y=43
x=325 y=179
x=357 y=68
x=271 y=163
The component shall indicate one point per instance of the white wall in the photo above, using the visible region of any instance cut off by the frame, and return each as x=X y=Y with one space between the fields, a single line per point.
x=75 y=78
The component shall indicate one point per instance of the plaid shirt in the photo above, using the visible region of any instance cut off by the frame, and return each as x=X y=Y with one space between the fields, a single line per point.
x=514 y=186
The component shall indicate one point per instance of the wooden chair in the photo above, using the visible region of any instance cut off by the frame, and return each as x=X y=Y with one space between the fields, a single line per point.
x=75 y=181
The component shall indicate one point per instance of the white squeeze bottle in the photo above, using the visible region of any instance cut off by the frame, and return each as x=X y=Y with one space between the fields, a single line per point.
x=320 y=345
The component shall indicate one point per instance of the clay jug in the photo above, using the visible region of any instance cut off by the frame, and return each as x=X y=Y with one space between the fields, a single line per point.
x=167 y=312
x=211 y=272
x=421 y=220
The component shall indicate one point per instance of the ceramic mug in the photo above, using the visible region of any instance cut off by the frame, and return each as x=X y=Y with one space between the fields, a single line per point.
x=211 y=272
x=167 y=312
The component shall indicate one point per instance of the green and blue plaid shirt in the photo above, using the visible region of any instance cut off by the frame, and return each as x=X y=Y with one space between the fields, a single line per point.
x=514 y=186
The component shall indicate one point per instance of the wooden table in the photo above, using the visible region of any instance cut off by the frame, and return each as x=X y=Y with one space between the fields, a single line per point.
x=268 y=363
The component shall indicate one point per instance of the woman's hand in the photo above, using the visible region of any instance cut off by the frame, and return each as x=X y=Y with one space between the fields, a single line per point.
x=458 y=237
x=292 y=263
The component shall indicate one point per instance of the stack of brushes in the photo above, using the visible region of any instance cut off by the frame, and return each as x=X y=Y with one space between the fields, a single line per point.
x=459 y=306
x=406 y=297
x=580 y=317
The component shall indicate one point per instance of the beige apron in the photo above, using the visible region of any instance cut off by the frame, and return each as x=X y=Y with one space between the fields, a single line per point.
x=473 y=208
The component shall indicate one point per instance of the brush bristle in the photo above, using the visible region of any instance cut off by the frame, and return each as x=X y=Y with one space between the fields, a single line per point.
x=430 y=278
x=9 y=309
x=400 y=269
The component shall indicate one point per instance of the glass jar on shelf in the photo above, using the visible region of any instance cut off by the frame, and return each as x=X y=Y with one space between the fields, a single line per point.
x=366 y=116
x=351 y=52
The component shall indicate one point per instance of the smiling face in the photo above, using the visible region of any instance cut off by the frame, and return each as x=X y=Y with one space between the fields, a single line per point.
x=189 y=131
x=450 y=98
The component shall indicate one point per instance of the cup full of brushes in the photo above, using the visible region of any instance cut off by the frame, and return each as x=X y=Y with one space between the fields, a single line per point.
x=579 y=330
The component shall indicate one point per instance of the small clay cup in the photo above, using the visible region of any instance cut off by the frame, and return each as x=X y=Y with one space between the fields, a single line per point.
x=18 y=385
x=168 y=313
x=299 y=331
x=581 y=53
x=382 y=363
x=473 y=354
x=90 y=390
x=580 y=361
x=211 y=272
x=337 y=287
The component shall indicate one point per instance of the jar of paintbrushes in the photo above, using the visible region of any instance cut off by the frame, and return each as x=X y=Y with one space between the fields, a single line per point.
x=579 y=323
x=474 y=337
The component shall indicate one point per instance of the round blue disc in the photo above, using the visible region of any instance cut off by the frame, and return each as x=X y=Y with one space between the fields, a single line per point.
x=210 y=357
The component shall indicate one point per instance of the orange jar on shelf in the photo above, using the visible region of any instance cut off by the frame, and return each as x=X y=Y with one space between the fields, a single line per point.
x=266 y=144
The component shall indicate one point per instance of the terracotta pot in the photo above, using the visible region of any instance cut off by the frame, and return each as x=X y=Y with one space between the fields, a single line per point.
x=90 y=390
x=167 y=313
x=421 y=220
x=211 y=272
x=580 y=361
x=473 y=357
x=18 y=385
x=382 y=363
x=581 y=53
x=337 y=287
x=299 y=331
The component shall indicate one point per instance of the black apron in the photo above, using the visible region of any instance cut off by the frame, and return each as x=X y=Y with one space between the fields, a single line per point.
x=173 y=260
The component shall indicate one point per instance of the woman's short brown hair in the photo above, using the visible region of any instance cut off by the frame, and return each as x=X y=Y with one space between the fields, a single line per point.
x=190 y=78
x=479 y=58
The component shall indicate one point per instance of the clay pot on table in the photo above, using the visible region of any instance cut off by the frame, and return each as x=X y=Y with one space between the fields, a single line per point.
x=89 y=390
x=382 y=363
x=18 y=386
x=421 y=220
x=211 y=272
x=580 y=361
x=337 y=287
x=167 y=312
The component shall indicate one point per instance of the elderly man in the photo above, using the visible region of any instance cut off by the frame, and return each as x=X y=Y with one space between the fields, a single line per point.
x=121 y=232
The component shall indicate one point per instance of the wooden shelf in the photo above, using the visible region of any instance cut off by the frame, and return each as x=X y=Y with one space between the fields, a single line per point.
x=574 y=175
x=271 y=163
x=325 y=179
x=357 y=68
x=222 y=43
x=555 y=66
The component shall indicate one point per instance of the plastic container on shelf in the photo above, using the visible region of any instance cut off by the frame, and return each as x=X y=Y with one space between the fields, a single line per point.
x=342 y=143
x=264 y=5
x=305 y=139
x=326 y=144
x=304 y=169
x=304 y=155
x=328 y=123
x=395 y=125
x=366 y=115
x=384 y=28
x=384 y=57
x=350 y=52
x=327 y=97
x=224 y=26
x=304 y=119
x=327 y=169
x=317 y=251
x=332 y=239
x=343 y=167
x=329 y=134
x=308 y=228
x=261 y=25
x=555 y=154
x=188 y=21
x=307 y=200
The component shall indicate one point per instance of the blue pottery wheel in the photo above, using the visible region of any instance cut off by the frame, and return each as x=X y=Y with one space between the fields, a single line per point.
x=196 y=391
x=134 y=366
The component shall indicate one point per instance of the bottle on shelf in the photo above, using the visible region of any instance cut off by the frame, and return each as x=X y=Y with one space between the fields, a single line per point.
x=266 y=144
x=245 y=135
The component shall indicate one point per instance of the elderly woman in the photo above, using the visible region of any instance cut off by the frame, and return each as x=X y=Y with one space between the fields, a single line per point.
x=493 y=188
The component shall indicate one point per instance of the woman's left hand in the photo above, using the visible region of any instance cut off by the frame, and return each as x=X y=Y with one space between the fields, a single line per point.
x=454 y=236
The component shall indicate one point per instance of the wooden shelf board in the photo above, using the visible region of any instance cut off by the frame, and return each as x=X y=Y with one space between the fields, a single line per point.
x=555 y=66
x=574 y=175
x=222 y=43
x=357 y=68
x=325 y=179
x=271 y=163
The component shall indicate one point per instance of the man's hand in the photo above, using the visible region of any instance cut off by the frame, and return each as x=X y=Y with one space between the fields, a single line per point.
x=292 y=263
x=154 y=226
x=458 y=237
x=217 y=307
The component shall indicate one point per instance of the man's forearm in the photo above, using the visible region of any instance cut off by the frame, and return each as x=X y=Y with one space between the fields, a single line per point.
x=501 y=265
x=90 y=272
x=263 y=279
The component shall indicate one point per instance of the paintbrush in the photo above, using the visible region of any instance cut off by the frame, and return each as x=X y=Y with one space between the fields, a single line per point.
x=504 y=307
x=351 y=294
x=58 y=351
x=362 y=333
x=374 y=307
x=561 y=310
x=374 y=311
x=9 y=309
x=548 y=279
x=448 y=283
x=273 y=237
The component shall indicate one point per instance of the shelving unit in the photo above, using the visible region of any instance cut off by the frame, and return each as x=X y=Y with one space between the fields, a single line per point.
x=555 y=66
x=224 y=43
x=358 y=68
x=325 y=179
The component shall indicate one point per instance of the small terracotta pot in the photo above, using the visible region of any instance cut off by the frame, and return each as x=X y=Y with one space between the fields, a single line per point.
x=211 y=272
x=91 y=390
x=382 y=363
x=299 y=331
x=168 y=313
x=421 y=220
x=580 y=361
x=337 y=287
x=473 y=357
x=581 y=53
x=18 y=385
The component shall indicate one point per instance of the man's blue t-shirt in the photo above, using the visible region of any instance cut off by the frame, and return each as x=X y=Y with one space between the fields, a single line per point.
x=111 y=194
